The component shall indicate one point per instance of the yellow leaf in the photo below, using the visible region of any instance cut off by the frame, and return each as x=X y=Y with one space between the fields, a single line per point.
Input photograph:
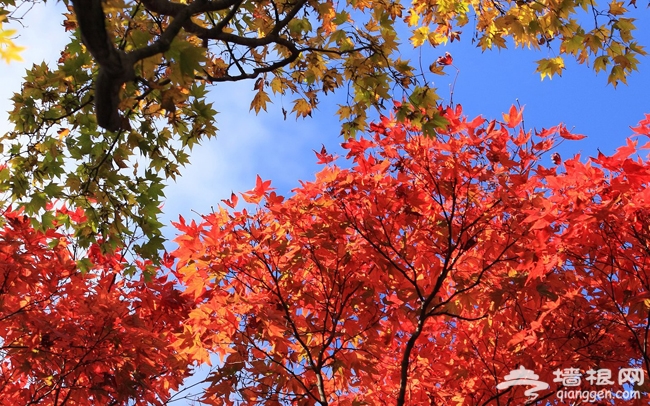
x=437 y=38
x=550 y=66
x=436 y=69
x=63 y=132
x=301 y=107
x=413 y=18
x=276 y=85
x=344 y=112
x=259 y=101
x=616 y=8
x=616 y=75
x=600 y=63
x=419 y=36
x=9 y=51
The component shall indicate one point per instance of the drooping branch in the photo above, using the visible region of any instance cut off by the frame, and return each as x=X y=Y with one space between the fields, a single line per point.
x=181 y=19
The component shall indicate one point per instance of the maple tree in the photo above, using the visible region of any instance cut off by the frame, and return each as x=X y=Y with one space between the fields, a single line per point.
x=75 y=335
x=424 y=273
x=142 y=69
x=605 y=238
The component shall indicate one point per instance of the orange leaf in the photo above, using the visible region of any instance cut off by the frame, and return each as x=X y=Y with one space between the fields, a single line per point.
x=261 y=187
x=232 y=202
x=564 y=133
x=445 y=60
x=514 y=117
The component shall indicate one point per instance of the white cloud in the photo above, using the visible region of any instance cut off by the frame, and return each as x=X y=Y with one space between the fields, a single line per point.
x=247 y=145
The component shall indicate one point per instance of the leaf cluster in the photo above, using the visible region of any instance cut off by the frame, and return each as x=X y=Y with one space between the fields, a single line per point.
x=381 y=283
x=386 y=282
x=76 y=331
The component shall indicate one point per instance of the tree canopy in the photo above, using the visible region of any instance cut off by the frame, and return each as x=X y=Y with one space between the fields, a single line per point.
x=426 y=272
x=441 y=256
x=118 y=114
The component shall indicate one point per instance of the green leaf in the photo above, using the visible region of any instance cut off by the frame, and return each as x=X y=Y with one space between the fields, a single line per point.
x=84 y=265
x=190 y=60
x=341 y=18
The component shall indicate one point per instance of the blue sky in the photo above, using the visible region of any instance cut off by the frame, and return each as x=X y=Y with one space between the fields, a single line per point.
x=282 y=151
x=488 y=84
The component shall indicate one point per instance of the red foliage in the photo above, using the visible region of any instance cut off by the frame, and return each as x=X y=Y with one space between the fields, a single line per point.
x=425 y=273
x=93 y=338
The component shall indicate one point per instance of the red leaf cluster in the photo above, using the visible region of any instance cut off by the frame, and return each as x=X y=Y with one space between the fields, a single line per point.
x=93 y=338
x=424 y=273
